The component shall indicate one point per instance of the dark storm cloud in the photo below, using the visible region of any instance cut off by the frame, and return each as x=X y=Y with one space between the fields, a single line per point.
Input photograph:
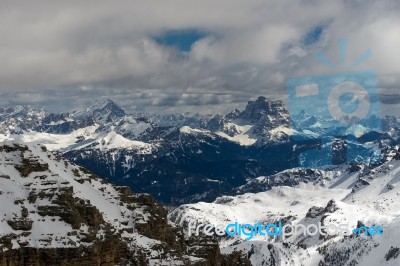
x=64 y=54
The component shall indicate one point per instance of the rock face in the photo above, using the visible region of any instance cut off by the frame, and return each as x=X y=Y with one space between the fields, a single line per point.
x=102 y=112
x=267 y=109
x=107 y=252
x=56 y=213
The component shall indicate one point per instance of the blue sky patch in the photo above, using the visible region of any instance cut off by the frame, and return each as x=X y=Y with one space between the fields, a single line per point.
x=182 y=39
x=313 y=35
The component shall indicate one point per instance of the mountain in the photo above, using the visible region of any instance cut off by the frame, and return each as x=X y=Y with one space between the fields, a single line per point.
x=355 y=197
x=18 y=119
x=54 y=212
x=246 y=166
x=182 y=158
x=102 y=112
x=262 y=122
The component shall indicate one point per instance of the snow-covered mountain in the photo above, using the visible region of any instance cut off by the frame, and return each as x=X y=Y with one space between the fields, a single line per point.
x=54 y=212
x=102 y=112
x=181 y=158
x=366 y=196
x=245 y=164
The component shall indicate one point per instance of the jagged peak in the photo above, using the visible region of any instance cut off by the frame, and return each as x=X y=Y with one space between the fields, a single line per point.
x=262 y=99
x=103 y=104
x=262 y=106
x=103 y=111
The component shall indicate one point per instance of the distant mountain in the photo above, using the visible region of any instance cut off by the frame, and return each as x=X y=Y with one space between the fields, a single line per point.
x=262 y=122
x=102 y=112
x=181 y=158
x=246 y=164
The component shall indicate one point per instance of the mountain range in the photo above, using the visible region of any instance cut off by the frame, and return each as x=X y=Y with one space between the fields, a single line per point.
x=180 y=158
x=67 y=182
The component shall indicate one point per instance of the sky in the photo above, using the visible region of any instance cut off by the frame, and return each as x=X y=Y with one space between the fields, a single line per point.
x=187 y=56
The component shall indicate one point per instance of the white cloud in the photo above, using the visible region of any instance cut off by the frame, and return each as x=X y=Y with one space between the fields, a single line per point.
x=104 y=48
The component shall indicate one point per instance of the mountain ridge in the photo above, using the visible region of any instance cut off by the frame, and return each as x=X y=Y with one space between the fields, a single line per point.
x=158 y=154
x=55 y=212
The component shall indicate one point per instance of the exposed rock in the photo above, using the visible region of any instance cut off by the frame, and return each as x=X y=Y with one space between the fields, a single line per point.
x=20 y=224
x=31 y=165
x=236 y=258
x=108 y=252
x=331 y=206
x=392 y=253
x=54 y=193
x=315 y=211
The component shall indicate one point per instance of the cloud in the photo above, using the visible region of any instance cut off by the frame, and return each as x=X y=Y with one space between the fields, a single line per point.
x=63 y=54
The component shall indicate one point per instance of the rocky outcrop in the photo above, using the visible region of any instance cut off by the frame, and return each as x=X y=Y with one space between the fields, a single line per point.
x=108 y=252
x=393 y=253
x=262 y=107
x=59 y=218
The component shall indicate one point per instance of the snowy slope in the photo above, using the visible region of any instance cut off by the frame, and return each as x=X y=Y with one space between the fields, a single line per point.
x=55 y=175
x=370 y=196
x=243 y=137
x=52 y=204
x=78 y=139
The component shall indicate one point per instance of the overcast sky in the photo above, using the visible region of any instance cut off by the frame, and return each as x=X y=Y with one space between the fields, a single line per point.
x=184 y=55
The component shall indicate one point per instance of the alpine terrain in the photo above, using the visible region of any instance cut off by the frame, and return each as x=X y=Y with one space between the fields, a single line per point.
x=244 y=166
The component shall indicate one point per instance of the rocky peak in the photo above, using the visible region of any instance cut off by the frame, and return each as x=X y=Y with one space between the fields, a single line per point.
x=233 y=114
x=103 y=111
x=21 y=112
x=216 y=123
x=263 y=107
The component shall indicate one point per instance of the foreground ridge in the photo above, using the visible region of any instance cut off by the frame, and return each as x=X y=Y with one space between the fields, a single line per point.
x=54 y=212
